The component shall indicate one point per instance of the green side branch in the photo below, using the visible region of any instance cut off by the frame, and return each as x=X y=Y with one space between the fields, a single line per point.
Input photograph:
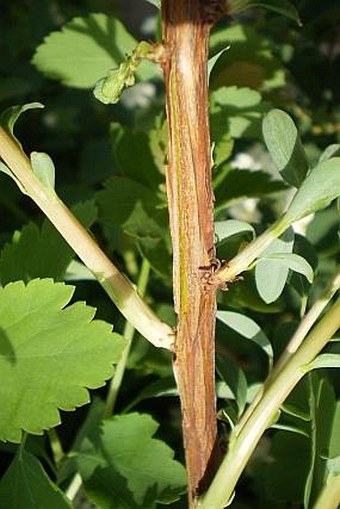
x=117 y=286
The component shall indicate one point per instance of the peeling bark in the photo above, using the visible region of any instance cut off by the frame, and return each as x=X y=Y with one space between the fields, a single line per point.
x=190 y=196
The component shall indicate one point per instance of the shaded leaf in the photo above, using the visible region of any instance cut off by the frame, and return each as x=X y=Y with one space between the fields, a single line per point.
x=43 y=252
x=239 y=184
x=249 y=62
x=235 y=379
x=9 y=117
x=49 y=355
x=26 y=485
x=133 y=156
x=237 y=111
x=123 y=466
x=323 y=412
x=247 y=328
x=283 y=7
x=4 y=169
x=285 y=147
x=133 y=207
x=284 y=478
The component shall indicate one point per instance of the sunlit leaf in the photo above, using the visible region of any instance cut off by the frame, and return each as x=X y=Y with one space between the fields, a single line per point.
x=49 y=356
x=319 y=189
x=270 y=274
x=44 y=168
x=230 y=227
x=331 y=151
x=84 y=50
x=285 y=147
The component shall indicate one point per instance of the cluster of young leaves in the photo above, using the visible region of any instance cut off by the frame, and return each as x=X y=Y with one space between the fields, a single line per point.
x=131 y=211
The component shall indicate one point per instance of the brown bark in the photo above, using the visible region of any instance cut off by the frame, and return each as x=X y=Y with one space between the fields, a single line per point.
x=190 y=196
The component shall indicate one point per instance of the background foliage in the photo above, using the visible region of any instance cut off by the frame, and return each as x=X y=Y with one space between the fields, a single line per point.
x=110 y=169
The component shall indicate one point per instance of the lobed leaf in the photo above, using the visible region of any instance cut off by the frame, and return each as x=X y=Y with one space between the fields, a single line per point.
x=122 y=465
x=237 y=111
x=84 y=50
x=40 y=253
x=49 y=356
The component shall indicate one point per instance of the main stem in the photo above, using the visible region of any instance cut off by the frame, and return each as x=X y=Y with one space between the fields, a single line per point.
x=190 y=198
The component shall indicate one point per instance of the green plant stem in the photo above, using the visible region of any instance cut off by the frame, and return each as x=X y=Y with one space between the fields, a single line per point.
x=244 y=441
x=330 y=495
x=307 y=323
x=117 y=286
x=74 y=487
x=129 y=332
x=298 y=337
x=243 y=260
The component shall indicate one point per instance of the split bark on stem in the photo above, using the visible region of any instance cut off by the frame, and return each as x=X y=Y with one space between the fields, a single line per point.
x=190 y=197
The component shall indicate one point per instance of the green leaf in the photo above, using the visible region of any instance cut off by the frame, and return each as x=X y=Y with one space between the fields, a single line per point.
x=249 y=329
x=123 y=466
x=271 y=273
x=285 y=147
x=26 y=485
x=133 y=207
x=49 y=355
x=240 y=184
x=318 y=190
x=330 y=151
x=235 y=379
x=285 y=476
x=4 y=169
x=44 y=168
x=133 y=156
x=230 y=227
x=283 y=7
x=325 y=360
x=84 y=50
x=249 y=63
x=293 y=262
x=156 y=3
x=163 y=387
x=40 y=253
x=9 y=117
x=222 y=148
x=323 y=426
x=237 y=111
